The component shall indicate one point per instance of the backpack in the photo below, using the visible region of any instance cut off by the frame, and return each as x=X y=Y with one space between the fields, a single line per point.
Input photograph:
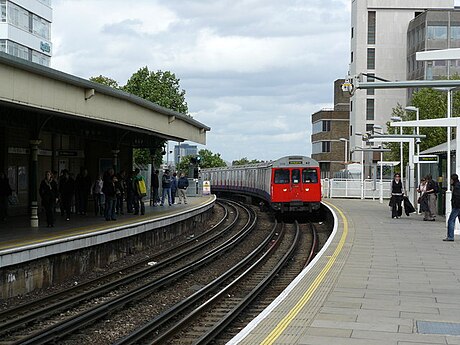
x=141 y=187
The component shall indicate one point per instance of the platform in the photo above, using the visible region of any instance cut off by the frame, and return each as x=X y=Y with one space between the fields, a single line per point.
x=379 y=281
x=20 y=243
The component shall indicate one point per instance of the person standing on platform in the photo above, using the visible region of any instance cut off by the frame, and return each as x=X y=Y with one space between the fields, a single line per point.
x=431 y=197
x=156 y=187
x=129 y=192
x=66 y=192
x=98 y=196
x=173 y=188
x=110 y=195
x=48 y=193
x=120 y=190
x=82 y=191
x=182 y=185
x=139 y=192
x=455 y=213
x=5 y=192
x=166 y=186
x=397 y=193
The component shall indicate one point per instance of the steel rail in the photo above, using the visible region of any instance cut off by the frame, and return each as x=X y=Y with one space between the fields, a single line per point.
x=57 y=331
x=66 y=302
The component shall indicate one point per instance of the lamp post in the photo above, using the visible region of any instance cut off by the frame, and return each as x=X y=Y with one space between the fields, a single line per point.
x=346 y=150
x=417 y=128
x=401 y=147
x=362 y=163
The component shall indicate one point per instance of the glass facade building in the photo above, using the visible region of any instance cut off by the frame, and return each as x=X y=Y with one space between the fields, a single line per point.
x=433 y=30
x=25 y=29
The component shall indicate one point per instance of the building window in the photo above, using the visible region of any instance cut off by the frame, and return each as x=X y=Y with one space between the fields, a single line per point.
x=370 y=127
x=435 y=32
x=2 y=10
x=3 y=46
x=321 y=126
x=18 y=16
x=40 y=58
x=455 y=32
x=321 y=147
x=18 y=50
x=351 y=106
x=352 y=32
x=371 y=27
x=370 y=109
x=370 y=79
x=41 y=27
x=352 y=57
x=370 y=58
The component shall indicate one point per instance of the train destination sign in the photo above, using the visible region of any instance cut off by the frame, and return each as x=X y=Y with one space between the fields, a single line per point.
x=426 y=159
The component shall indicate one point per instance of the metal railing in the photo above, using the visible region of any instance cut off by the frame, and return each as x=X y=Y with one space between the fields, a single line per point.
x=353 y=188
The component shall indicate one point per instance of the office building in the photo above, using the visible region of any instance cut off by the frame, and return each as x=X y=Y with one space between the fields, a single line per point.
x=329 y=126
x=184 y=150
x=379 y=48
x=25 y=29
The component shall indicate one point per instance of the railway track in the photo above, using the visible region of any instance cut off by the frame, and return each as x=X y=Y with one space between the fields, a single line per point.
x=19 y=318
x=214 y=311
x=201 y=319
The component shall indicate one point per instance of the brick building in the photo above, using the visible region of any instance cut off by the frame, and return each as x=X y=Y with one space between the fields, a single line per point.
x=329 y=126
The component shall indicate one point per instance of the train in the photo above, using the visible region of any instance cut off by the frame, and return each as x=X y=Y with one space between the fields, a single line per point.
x=288 y=184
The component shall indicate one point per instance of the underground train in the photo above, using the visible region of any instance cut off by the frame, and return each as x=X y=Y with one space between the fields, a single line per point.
x=288 y=184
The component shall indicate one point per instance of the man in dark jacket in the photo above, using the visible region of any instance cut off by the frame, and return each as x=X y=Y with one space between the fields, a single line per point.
x=455 y=207
x=182 y=185
x=66 y=192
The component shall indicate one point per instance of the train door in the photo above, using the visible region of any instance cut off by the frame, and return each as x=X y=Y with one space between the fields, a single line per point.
x=311 y=184
x=296 y=186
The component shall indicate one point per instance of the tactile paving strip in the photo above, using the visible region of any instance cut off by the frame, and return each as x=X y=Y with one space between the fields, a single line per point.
x=445 y=328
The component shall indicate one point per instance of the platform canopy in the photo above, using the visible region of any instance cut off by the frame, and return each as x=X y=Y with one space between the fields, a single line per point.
x=33 y=88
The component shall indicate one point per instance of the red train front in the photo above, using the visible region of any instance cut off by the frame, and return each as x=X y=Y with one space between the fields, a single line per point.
x=288 y=184
x=295 y=184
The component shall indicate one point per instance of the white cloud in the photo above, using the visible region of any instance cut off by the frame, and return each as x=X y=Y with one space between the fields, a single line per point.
x=253 y=70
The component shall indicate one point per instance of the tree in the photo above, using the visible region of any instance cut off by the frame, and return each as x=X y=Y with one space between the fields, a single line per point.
x=160 y=87
x=210 y=160
x=105 y=81
x=432 y=104
x=244 y=161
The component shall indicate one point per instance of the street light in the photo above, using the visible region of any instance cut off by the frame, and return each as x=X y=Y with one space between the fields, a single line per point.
x=346 y=149
x=417 y=118
x=362 y=163
x=401 y=147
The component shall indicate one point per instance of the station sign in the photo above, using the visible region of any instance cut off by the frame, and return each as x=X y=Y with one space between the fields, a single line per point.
x=206 y=188
x=421 y=159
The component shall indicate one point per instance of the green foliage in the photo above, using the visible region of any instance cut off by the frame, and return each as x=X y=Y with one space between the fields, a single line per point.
x=105 y=81
x=244 y=161
x=184 y=165
x=210 y=160
x=141 y=156
x=160 y=87
x=432 y=104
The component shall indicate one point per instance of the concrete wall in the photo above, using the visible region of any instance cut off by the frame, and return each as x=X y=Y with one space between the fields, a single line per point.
x=44 y=272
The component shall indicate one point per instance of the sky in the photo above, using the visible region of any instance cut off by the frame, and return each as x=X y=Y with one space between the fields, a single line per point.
x=253 y=70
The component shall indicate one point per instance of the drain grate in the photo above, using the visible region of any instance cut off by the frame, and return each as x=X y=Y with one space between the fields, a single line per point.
x=446 y=328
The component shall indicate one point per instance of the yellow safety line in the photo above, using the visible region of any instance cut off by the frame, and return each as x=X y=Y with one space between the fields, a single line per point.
x=84 y=230
x=284 y=323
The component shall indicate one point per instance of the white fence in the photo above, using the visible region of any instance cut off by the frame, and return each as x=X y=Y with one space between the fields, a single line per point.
x=346 y=188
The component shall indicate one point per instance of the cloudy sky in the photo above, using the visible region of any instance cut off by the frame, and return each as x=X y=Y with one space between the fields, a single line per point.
x=253 y=70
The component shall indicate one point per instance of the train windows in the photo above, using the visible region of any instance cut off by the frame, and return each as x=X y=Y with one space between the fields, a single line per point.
x=309 y=176
x=281 y=176
x=295 y=176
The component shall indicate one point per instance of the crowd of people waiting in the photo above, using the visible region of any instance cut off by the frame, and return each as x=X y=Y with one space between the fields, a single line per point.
x=109 y=192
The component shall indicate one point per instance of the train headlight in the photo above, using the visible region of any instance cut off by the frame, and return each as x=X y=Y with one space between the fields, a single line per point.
x=284 y=189
x=307 y=189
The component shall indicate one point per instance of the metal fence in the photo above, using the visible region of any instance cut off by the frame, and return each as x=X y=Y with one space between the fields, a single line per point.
x=352 y=188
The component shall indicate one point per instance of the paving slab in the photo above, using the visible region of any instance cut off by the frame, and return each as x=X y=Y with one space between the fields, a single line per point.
x=382 y=276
